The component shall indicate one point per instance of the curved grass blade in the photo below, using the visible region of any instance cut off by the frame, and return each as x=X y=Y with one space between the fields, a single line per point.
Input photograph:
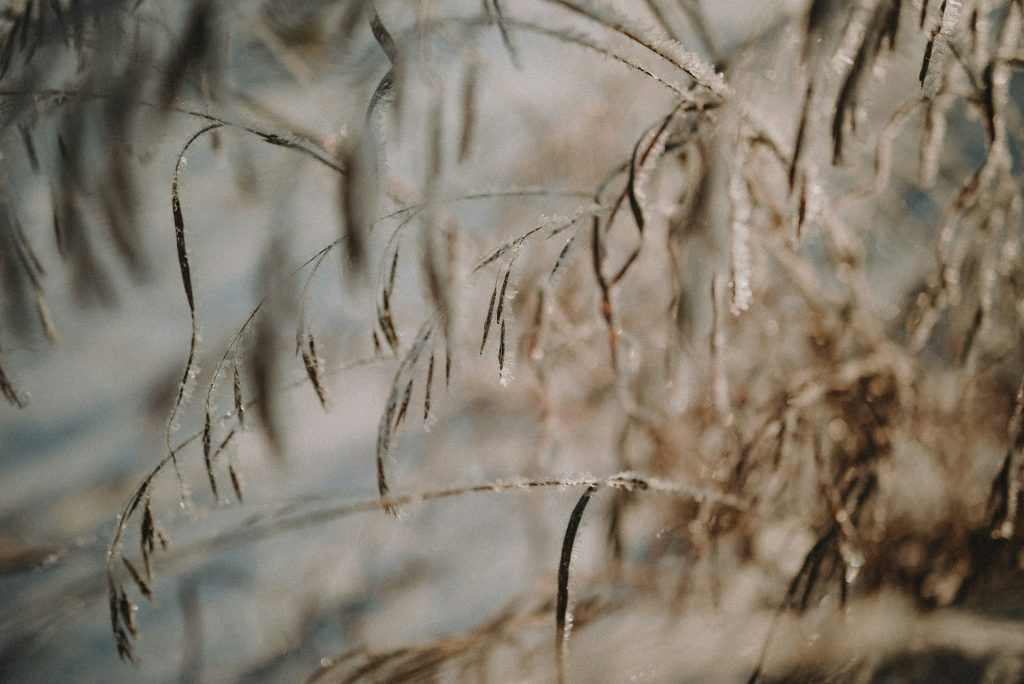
x=314 y=369
x=501 y=296
x=634 y=201
x=489 y=318
x=186 y=274
x=801 y=132
x=562 y=624
x=426 y=394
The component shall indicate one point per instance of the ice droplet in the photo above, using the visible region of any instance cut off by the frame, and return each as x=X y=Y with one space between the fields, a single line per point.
x=854 y=563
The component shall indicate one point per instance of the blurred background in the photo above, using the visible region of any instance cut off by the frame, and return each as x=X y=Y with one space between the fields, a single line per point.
x=807 y=300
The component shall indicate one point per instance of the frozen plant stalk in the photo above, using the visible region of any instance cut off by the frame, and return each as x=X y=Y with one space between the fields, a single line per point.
x=935 y=58
x=742 y=262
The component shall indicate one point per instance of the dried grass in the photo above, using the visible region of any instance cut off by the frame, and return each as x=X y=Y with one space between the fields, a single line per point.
x=809 y=318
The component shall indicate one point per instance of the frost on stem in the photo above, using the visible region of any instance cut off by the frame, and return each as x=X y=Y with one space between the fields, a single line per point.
x=641 y=170
x=505 y=375
x=719 y=381
x=739 y=239
x=933 y=131
x=939 y=48
x=657 y=42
